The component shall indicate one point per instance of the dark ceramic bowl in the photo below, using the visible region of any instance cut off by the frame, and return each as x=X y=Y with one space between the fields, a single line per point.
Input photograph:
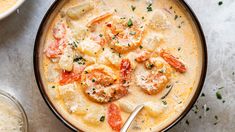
x=38 y=51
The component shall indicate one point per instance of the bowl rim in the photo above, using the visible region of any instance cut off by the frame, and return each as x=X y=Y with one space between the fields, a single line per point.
x=19 y=107
x=74 y=128
x=11 y=10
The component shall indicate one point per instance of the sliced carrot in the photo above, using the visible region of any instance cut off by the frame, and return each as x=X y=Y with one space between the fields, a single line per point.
x=114 y=117
x=171 y=60
x=125 y=70
x=99 y=18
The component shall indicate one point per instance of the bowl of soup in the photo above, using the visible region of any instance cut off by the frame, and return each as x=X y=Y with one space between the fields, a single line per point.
x=9 y=6
x=96 y=60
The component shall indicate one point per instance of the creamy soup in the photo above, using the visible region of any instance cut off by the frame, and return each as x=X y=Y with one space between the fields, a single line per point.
x=6 y=5
x=102 y=58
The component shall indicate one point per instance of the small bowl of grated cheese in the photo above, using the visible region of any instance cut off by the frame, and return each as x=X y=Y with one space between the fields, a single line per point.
x=12 y=115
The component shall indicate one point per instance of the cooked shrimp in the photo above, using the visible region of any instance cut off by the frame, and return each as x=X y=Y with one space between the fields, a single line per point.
x=99 y=18
x=101 y=83
x=124 y=35
x=154 y=81
x=143 y=55
x=171 y=60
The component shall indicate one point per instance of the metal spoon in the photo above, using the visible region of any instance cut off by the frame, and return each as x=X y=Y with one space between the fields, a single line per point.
x=131 y=118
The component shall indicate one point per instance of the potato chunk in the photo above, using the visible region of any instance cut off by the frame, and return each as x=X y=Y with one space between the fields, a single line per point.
x=159 y=21
x=89 y=47
x=78 y=11
x=154 y=108
x=152 y=41
x=126 y=105
x=94 y=116
x=66 y=60
x=73 y=102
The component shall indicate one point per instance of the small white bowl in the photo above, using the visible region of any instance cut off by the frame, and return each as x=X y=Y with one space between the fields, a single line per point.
x=12 y=9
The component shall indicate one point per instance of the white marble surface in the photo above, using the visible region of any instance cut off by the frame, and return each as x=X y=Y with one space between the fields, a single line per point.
x=18 y=31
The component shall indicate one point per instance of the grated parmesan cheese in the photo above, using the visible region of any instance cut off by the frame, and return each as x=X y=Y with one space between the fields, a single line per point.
x=10 y=117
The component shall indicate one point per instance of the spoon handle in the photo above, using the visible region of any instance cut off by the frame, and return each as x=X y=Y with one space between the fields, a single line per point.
x=131 y=118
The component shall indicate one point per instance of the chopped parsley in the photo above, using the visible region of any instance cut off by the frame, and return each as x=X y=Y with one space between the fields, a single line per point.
x=102 y=118
x=80 y=60
x=187 y=122
x=164 y=102
x=218 y=95
x=132 y=33
x=86 y=72
x=149 y=8
x=142 y=17
x=176 y=16
x=203 y=95
x=74 y=44
x=220 y=3
x=93 y=80
x=141 y=47
x=101 y=35
x=133 y=8
x=129 y=23
x=53 y=87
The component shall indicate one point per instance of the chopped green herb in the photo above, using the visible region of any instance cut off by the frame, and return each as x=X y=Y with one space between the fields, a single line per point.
x=170 y=7
x=218 y=95
x=129 y=23
x=103 y=49
x=132 y=33
x=141 y=47
x=149 y=8
x=203 y=95
x=221 y=88
x=220 y=3
x=86 y=72
x=115 y=10
x=179 y=48
x=142 y=17
x=133 y=8
x=164 y=102
x=93 y=80
x=119 y=55
x=80 y=60
x=176 y=16
x=53 y=87
x=102 y=118
x=101 y=35
x=187 y=122
x=128 y=45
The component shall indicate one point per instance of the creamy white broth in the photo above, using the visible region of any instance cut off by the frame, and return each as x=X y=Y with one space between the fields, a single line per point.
x=182 y=42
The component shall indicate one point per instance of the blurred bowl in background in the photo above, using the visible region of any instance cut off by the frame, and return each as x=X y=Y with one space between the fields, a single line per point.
x=13 y=114
x=13 y=7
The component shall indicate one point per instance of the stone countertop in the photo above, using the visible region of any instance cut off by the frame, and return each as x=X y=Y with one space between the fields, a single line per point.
x=17 y=35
